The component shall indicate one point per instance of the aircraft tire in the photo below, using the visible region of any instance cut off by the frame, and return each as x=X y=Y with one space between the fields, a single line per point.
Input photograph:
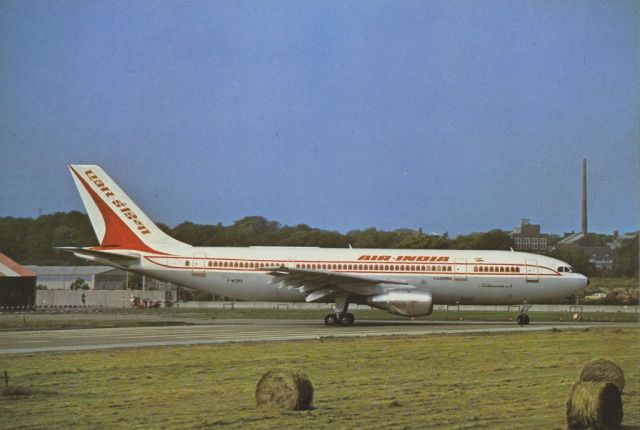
x=347 y=319
x=331 y=319
x=525 y=319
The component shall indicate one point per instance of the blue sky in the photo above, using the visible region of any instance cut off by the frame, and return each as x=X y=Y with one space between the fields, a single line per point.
x=453 y=116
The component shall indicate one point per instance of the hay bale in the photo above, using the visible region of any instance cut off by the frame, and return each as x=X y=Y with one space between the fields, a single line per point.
x=603 y=370
x=284 y=389
x=594 y=405
x=16 y=391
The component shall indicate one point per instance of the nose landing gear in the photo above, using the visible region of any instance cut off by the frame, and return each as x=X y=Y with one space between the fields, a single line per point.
x=523 y=317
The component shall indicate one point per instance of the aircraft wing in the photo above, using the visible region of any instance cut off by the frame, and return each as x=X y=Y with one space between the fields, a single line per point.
x=110 y=258
x=319 y=284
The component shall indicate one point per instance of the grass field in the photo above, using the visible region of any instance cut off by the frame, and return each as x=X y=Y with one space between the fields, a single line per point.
x=607 y=284
x=506 y=381
x=157 y=317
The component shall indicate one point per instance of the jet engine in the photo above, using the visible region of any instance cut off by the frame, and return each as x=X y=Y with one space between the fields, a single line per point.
x=408 y=303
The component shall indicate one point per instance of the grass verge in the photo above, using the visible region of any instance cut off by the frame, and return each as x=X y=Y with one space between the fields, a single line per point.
x=141 y=318
x=504 y=381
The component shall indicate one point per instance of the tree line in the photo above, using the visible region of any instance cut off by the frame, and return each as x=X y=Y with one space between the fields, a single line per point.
x=33 y=241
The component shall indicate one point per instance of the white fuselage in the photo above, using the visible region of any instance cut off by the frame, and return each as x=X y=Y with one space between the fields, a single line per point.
x=451 y=276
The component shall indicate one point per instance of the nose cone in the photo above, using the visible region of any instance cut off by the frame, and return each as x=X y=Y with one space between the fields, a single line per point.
x=580 y=282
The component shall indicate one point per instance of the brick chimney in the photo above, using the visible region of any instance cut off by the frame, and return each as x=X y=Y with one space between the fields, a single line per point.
x=584 y=196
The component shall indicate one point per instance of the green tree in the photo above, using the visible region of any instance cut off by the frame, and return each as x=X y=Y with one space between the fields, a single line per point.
x=626 y=258
x=575 y=258
x=492 y=240
x=495 y=240
x=79 y=284
x=419 y=240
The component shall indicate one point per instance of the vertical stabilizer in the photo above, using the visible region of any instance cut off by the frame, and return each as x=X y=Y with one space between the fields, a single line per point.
x=117 y=221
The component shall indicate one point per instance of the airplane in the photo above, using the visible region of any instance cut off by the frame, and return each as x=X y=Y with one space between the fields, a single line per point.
x=406 y=282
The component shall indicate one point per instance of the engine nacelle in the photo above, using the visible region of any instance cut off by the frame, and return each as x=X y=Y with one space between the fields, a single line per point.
x=408 y=303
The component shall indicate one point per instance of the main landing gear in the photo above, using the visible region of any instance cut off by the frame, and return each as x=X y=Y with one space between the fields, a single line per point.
x=341 y=316
x=523 y=317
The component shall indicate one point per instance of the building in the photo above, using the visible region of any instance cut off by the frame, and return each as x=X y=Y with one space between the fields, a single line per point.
x=527 y=237
x=94 y=277
x=617 y=239
x=600 y=256
x=17 y=284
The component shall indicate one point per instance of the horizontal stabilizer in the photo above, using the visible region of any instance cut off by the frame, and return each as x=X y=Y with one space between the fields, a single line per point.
x=121 y=258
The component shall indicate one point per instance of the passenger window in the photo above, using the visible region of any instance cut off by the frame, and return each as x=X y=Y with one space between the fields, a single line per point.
x=186 y=263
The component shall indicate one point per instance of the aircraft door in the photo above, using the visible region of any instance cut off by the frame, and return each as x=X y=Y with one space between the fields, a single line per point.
x=532 y=270
x=197 y=264
x=460 y=269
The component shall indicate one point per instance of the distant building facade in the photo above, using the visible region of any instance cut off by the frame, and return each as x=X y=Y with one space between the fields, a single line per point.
x=600 y=256
x=95 y=277
x=527 y=237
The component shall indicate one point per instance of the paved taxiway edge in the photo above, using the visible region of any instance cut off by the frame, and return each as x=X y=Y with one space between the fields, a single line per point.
x=244 y=336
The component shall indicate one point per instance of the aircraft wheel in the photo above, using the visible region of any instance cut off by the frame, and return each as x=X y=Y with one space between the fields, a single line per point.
x=330 y=319
x=351 y=318
x=347 y=319
x=520 y=319
x=525 y=320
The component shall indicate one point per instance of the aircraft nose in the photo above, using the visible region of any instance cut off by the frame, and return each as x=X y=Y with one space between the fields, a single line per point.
x=581 y=282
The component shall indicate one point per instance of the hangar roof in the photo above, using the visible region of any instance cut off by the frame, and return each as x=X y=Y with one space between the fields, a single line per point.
x=8 y=267
x=71 y=270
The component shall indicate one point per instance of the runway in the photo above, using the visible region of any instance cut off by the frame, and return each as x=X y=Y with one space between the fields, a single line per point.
x=257 y=330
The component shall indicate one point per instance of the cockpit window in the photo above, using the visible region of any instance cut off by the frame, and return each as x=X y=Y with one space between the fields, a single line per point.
x=565 y=269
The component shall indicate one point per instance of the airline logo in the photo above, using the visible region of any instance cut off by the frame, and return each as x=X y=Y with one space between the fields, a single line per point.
x=120 y=205
x=421 y=258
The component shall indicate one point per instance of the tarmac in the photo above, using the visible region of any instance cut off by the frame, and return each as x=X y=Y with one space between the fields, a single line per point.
x=257 y=330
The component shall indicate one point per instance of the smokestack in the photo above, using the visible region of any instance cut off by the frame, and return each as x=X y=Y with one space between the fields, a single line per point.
x=584 y=196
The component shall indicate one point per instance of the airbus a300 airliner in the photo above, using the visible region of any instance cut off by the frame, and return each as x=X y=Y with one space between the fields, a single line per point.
x=405 y=282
